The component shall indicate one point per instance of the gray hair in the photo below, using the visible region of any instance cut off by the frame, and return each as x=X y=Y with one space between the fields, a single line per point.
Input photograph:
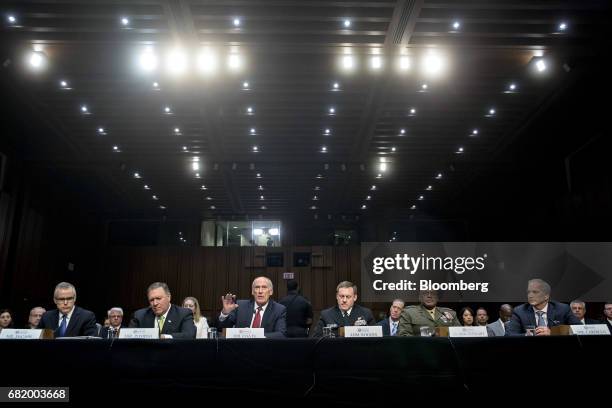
x=398 y=300
x=157 y=285
x=114 y=309
x=578 y=302
x=347 y=284
x=270 y=284
x=543 y=284
x=64 y=285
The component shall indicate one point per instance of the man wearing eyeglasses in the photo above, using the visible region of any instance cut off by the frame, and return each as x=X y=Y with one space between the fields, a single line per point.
x=68 y=320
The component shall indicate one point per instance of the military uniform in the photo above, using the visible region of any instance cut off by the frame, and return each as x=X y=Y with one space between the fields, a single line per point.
x=415 y=317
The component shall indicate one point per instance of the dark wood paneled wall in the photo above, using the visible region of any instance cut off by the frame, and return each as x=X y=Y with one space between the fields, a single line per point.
x=209 y=273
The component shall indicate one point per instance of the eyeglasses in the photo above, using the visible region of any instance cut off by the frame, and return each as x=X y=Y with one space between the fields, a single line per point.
x=65 y=300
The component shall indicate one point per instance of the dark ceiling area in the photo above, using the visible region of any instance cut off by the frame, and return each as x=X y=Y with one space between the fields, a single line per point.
x=316 y=110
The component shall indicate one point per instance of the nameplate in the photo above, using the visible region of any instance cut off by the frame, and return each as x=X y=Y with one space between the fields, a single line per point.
x=467 y=331
x=21 y=334
x=139 y=333
x=244 y=333
x=590 y=329
x=363 y=331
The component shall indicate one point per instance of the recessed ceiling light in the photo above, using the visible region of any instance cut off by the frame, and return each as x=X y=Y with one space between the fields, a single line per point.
x=336 y=86
x=64 y=84
x=260 y=188
x=236 y=22
x=348 y=62
x=212 y=207
x=404 y=63
x=258 y=175
x=363 y=207
x=460 y=150
x=263 y=207
x=261 y=197
x=125 y=21
x=429 y=188
x=235 y=62
x=313 y=207
x=412 y=111
x=249 y=110
x=512 y=87
x=474 y=132
x=11 y=19
x=209 y=198
x=315 y=198
x=185 y=148
x=245 y=85
x=368 y=197
x=327 y=131
x=197 y=175
x=393 y=149
x=424 y=87
x=413 y=207
x=203 y=187
x=332 y=111
x=167 y=110
x=162 y=207
x=146 y=187
x=402 y=131
x=421 y=198
x=319 y=176
x=456 y=25
x=137 y=175
x=373 y=188
x=541 y=65
x=379 y=176
x=317 y=188
x=255 y=148
x=433 y=64
x=177 y=131
x=155 y=85
x=438 y=176
x=116 y=148
x=376 y=62
x=252 y=131
x=84 y=109
x=154 y=197
x=323 y=149
x=562 y=26
x=491 y=112
x=148 y=60
x=347 y=23
x=37 y=60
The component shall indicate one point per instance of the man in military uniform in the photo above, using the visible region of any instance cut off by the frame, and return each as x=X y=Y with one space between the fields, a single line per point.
x=427 y=314
x=346 y=312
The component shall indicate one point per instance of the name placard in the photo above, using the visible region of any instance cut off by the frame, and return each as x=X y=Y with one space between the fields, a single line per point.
x=590 y=329
x=244 y=333
x=467 y=331
x=363 y=331
x=21 y=334
x=139 y=333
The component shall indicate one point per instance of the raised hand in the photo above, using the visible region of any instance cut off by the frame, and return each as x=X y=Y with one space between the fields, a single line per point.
x=229 y=303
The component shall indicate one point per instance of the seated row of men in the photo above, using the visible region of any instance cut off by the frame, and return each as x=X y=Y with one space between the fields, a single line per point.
x=536 y=317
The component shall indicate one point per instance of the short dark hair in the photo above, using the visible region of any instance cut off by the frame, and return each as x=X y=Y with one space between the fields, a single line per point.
x=156 y=285
x=292 y=284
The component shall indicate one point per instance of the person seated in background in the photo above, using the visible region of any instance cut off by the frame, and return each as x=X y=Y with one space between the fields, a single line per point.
x=482 y=316
x=539 y=314
x=260 y=312
x=299 y=311
x=427 y=315
x=115 y=318
x=35 y=316
x=68 y=320
x=390 y=325
x=199 y=321
x=608 y=315
x=498 y=327
x=6 y=319
x=466 y=316
x=579 y=310
x=346 y=312
x=173 y=322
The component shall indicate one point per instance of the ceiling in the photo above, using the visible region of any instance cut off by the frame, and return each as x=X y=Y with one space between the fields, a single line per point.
x=291 y=54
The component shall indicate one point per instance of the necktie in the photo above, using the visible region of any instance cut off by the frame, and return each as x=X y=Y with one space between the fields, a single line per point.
x=541 y=322
x=62 y=328
x=257 y=319
x=393 y=328
x=160 y=323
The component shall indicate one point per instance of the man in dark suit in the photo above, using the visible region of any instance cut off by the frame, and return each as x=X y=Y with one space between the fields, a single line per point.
x=299 y=311
x=608 y=315
x=390 y=325
x=346 y=312
x=579 y=310
x=173 y=322
x=540 y=313
x=261 y=312
x=68 y=320
x=115 y=318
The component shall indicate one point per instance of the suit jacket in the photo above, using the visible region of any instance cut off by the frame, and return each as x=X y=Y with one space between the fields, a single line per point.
x=496 y=328
x=415 y=317
x=274 y=321
x=591 y=321
x=82 y=323
x=386 y=327
x=178 y=323
x=608 y=324
x=333 y=315
x=524 y=315
x=299 y=310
